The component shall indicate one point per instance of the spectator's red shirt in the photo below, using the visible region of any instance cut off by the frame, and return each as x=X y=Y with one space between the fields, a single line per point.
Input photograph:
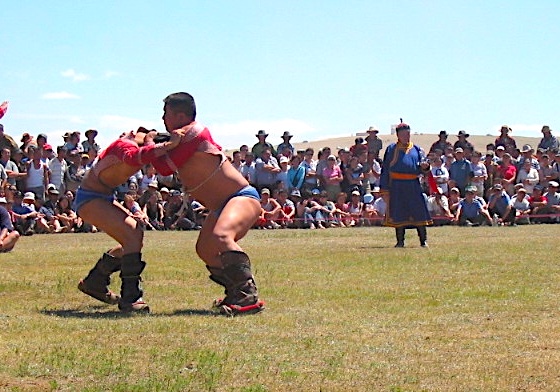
x=508 y=172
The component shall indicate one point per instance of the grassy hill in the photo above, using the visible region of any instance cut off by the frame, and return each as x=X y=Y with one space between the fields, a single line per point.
x=423 y=140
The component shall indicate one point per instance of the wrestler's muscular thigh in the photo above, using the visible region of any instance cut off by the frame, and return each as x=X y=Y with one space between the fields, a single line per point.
x=221 y=233
x=114 y=221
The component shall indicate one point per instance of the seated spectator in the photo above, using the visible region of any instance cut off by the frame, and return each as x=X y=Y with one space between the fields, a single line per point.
x=324 y=211
x=538 y=202
x=154 y=211
x=369 y=214
x=479 y=173
x=65 y=214
x=332 y=177
x=47 y=222
x=499 y=203
x=507 y=172
x=341 y=216
x=287 y=211
x=546 y=172
x=24 y=215
x=178 y=213
x=304 y=216
x=520 y=208
x=270 y=211
x=552 y=203
x=355 y=209
x=354 y=176
x=8 y=236
x=454 y=199
x=470 y=211
x=438 y=207
x=135 y=210
x=296 y=173
x=200 y=211
x=379 y=205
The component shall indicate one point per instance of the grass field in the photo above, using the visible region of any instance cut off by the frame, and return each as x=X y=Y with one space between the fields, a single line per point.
x=477 y=311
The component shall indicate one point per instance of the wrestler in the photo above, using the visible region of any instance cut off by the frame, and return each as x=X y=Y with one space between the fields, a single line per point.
x=95 y=203
x=234 y=205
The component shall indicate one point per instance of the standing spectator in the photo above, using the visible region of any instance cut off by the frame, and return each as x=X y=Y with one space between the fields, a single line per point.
x=507 y=172
x=406 y=205
x=73 y=143
x=440 y=174
x=505 y=140
x=73 y=176
x=26 y=141
x=282 y=175
x=374 y=144
x=58 y=168
x=236 y=161
x=479 y=173
x=149 y=177
x=527 y=154
x=296 y=174
x=548 y=141
x=354 y=176
x=248 y=170
x=260 y=146
x=441 y=144
x=266 y=168
x=332 y=177
x=90 y=143
x=546 y=172
x=321 y=164
x=37 y=174
x=463 y=143
x=491 y=171
x=286 y=136
x=460 y=171
x=310 y=167
x=6 y=141
x=8 y=236
x=528 y=176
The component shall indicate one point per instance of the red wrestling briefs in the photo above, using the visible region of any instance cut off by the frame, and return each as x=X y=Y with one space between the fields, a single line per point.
x=196 y=138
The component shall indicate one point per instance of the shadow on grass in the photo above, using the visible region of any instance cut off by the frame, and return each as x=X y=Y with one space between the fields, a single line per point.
x=100 y=312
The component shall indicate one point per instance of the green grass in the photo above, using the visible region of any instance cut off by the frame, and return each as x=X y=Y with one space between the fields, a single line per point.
x=477 y=311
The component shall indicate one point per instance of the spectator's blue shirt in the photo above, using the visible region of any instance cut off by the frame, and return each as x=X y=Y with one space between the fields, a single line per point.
x=459 y=171
x=21 y=209
x=470 y=209
x=5 y=219
x=501 y=203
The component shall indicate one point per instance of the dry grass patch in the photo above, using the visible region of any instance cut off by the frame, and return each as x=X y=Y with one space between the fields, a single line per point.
x=478 y=310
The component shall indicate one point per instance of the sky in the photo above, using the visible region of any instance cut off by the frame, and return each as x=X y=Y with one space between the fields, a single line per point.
x=317 y=69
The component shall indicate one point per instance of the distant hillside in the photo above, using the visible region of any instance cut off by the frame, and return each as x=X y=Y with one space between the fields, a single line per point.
x=423 y=140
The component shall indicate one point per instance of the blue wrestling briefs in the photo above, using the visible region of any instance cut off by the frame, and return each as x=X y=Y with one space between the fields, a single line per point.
x=83 y=196
x=248 y=191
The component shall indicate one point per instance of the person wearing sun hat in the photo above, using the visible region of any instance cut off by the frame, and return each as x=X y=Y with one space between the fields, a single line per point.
x=463 y=143
x=549 y=141
x=403 y=163
x=505 y=140
x=90 y=143
x=262 y=144
x=374 y=144
x=286 y=137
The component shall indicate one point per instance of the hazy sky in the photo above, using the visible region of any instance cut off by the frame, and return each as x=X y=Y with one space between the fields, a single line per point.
x=314 y=68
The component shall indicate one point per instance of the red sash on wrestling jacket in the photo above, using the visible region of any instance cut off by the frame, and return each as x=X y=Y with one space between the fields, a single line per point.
x=197 y=138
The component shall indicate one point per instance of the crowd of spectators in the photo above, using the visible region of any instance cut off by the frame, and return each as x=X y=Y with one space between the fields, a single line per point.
x=502 y=185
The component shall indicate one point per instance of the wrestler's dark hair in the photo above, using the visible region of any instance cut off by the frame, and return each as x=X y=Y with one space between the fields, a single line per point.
x=181 y=102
